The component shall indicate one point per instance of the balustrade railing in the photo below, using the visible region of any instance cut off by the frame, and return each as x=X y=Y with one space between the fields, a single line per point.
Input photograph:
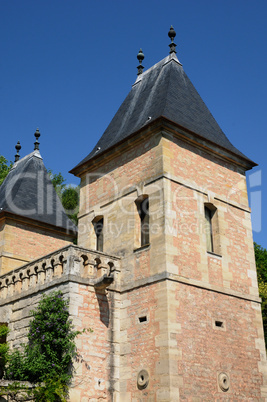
x=70 y=260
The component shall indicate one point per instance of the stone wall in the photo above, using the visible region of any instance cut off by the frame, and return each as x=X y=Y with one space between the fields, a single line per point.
x=217 y=335
x=217 y=183
x=22 y=241
x=80 y=274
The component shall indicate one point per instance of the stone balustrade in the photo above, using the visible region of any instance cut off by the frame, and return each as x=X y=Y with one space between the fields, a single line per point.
x=69 y=262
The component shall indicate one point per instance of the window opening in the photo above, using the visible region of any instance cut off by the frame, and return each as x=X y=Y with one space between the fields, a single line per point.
x=98 y=226
x=143 y=319
x=208 y=229
x=143 y=211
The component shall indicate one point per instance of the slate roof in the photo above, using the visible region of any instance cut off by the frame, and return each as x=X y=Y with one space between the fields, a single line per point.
x=163 y=90
x=27 y=191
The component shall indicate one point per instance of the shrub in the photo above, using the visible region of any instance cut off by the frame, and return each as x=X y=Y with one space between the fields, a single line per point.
x=4 y=348
x=47 y=358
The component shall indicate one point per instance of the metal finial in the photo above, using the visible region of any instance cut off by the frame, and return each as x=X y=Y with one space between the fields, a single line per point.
x=37 y=143
x=140 y=57
x=18 y=148
x=172 y=35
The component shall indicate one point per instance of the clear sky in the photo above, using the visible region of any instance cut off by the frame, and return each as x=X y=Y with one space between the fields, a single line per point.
x=66 y=66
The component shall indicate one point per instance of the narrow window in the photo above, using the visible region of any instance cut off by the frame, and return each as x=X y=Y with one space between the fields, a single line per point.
x=212 y=231
x=143 y=211
x=98 y=226
x=208 y=229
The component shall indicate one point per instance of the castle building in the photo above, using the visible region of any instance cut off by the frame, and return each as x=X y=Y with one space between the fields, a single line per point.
x=164 y=270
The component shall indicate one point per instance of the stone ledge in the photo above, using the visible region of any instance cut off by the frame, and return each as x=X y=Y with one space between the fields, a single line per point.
x=191 y=282
x=19 y=395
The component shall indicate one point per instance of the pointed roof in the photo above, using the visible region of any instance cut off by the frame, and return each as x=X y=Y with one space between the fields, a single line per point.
x=163 y=91
x=27 y=191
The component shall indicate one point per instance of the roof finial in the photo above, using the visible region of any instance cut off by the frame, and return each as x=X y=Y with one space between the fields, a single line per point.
x=140 y=57
x=18 y=148
x=172 y=35
x=37 y=143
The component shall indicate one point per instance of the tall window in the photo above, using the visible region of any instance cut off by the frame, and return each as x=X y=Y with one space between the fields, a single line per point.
x=98 y=223
x=142 y=204
x=208 y=229
x=212 y=229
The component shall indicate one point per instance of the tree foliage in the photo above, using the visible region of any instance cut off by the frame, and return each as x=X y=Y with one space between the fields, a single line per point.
x=47 y=358
x=68 y=195
x=261 y=264
x=4 y=168
x=58 y=181
x=70 y=201
x=4 y=348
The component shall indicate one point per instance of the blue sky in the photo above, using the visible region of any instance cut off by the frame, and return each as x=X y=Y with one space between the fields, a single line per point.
x=66 y=66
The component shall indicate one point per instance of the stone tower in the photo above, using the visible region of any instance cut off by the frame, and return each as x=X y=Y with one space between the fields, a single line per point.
x=165 y=190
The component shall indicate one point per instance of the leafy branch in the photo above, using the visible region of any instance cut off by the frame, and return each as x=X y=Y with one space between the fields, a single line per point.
x=46 y=360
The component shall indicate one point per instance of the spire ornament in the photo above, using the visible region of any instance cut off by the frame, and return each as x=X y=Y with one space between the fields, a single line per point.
x=37 y=143
x=18 y=148
x=172 y=35
x=140 y=57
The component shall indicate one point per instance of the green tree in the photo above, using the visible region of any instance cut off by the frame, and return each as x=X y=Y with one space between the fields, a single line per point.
x=69 y=195
x=70 y=201
x=58 y=181
x=261 y=264
x=47 y=358
x=4 y=348
x=4 y=168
